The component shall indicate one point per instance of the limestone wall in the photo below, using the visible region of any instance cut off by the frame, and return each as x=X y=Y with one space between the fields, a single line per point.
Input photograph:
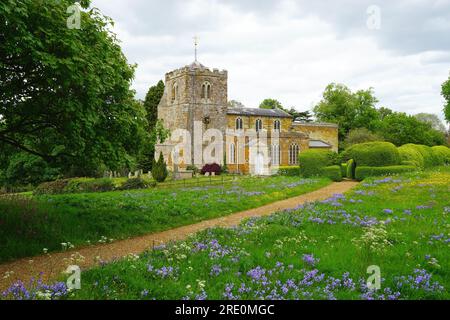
x=326 y=132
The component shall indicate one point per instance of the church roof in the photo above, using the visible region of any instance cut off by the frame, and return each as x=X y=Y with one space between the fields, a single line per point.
x=318 y=144
x=276 y=113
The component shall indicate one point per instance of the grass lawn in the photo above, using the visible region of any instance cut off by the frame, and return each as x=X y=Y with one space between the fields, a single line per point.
x=319 y=251
x=30 y=224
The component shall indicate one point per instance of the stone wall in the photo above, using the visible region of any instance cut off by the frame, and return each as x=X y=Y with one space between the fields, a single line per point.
x=326 y=132
x=182 y=104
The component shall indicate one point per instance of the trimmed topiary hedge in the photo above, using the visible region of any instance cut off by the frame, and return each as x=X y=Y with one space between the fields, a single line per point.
x=441 y=154
x=374 y=154
x=293 y=171
x=429 y=158
x=363 y=172
x=409 y=163
x=344 y=169
x=351 y=169
x=312 y=161
x=410 y=153
x=332 y=172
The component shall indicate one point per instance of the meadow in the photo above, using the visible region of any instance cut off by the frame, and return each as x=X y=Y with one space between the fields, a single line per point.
x=30 y=224
x=319 y=250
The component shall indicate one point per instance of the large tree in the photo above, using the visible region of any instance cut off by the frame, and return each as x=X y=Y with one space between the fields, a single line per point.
x=235 y=104
x=361 y=135
x=446 y=95
x=151 y=103
x=349 y=110
x=154 y=127
x=65 y=93
x=400 y=128
x=271 y=104
x=432 y=119
x=304 y=116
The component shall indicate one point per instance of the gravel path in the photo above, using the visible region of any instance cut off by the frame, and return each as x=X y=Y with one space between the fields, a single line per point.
x=51 y=265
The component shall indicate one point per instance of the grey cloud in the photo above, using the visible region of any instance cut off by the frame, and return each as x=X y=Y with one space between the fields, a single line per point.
x=291 y=49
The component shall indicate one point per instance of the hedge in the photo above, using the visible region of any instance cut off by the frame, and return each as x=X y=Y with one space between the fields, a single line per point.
x=97 y=185
x=52 y=187
x=344 y=169
x=409 y=153
x=409 y=163
x=430 y=160
x=136 y=183
x=364 y=171
x=332 y=172
x=293 y=171
x=82 y=185
x=351 y=169
x=441 y=154
x=374 y=154
x=312 y=161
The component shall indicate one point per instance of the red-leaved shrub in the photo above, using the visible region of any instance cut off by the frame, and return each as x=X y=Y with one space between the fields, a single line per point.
x=213 y=167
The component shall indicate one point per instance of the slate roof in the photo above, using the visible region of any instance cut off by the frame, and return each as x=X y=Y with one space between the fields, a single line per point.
x=318 y=144
x=276 y=113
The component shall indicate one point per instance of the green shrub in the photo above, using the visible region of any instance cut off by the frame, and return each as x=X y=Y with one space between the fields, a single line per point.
x=159 y=170
x=332 y=172
x=52 y=187
x=429 y=159
x=363 y=172
x=409 y=163
x=22 y=169
x=136 y=183
x=193 y=168
x=441 y=154
x=344 y=169
x=75 y=185
x=97 y=185
x=409 y=153
x=312 y=161
x=374 y=154
x=351 y=169
x=293 y=171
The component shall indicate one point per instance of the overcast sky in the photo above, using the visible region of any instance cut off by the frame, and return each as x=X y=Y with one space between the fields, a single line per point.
x=290 y=50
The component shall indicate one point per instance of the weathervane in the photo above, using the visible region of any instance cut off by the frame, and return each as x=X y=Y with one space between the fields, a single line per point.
x=196 y=44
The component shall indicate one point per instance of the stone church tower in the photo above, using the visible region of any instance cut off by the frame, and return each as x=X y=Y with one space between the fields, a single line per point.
x=193 y=94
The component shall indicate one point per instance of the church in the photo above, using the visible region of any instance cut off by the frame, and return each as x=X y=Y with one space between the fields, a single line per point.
x=205 y=129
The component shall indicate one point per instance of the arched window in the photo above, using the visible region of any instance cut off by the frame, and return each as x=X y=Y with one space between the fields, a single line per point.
x=258 y=125
x=293 y=153
x=277 y=125
x=275 y=152
x=239 y=124
x=232 y=156
x=206 y=90
x=174 y=92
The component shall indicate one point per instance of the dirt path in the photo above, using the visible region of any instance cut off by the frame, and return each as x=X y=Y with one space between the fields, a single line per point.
x=53 y=264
